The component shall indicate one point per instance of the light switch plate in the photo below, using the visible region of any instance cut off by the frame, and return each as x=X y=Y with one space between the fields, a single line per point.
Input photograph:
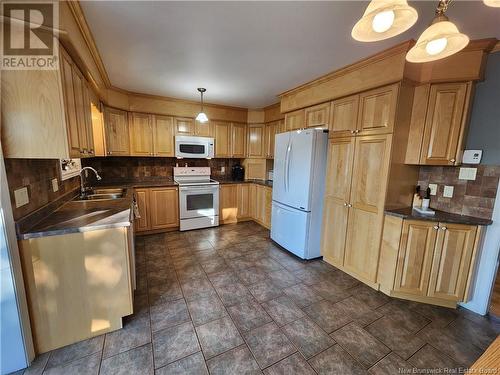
x=467 y=174
x=55 y=185
x=21 y=196
x=434 y=188
x=448 y=191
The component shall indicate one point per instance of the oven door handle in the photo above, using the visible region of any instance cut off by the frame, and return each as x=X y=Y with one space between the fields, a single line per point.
x=210 y=188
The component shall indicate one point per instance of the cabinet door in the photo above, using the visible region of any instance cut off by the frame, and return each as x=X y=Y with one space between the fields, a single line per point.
x=416 y=249
x=377 y=110
x=117 y=136
x=344 y=116
x=256 y=141
x=318 y=116
x=270 y=132
x=243 y=200
x=260 y=206
x=203 y=129
x=164 y=208
x=184 y=126
x=222 y=131
x=444 y=123
x=78 y=87
x=69 y=105
x=142 y=199
x=268 y=201
x=163 y=136
x=87 y=106
x=295 y=120
x=451 y=263
x=239 y=140
x=252 y=201
x=366 y=214
x=141 y=134
x=337 y=194
x=228 y=203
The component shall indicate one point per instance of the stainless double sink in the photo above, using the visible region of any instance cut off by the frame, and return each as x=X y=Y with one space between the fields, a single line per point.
x=101 y=194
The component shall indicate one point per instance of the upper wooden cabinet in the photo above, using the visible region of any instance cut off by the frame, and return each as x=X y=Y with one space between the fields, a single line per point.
x=239 y=140
x=117 y=133
x=203 y=129
x=163 y=136
x=344 y=117
x=427 y=261
x=223 y=137
x=141 y=134
x=271 y=130
x=256 y=143
x=438 y=123
x=377 y=110
x=295 y=120
x=184 y=126
x=318 y=116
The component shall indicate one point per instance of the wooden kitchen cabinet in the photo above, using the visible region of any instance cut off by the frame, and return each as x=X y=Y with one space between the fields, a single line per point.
x=271 y=130
x=438 y=123
x=158 y=208
x=203 y=129
x=184 y=126
x=295 y=120
x=427 y=261
x=336 y=201
x=163 y=136
x=117 y=132
x=344 y=116
x=163 y=208
x=228 y=203
x=141 y=134
x=318 y=116
x=77 y=294
x=238 y=140
x=243 y=199
x=75 y=150
x=256 y=142
x=223 y=136
x=263 y=206
x=377 y=110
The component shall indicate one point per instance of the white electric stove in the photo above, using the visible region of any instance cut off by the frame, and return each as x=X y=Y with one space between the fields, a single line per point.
x=198 y=198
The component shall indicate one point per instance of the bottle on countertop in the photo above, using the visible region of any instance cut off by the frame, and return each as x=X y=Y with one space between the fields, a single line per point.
x=417 y=199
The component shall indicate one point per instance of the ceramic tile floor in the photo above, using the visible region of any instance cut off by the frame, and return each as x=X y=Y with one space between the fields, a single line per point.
x=226 y=300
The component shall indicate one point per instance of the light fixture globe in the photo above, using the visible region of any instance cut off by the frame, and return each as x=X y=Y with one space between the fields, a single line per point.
x=492 y=3
x=441 y=39
x=384 y=19
x=201 y=117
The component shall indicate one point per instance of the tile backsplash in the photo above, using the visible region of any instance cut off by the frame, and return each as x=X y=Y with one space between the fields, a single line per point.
x=472 y=198
x=36 y=175
x=130 y=168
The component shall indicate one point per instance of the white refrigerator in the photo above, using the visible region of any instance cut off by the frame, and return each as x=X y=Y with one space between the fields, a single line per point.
x=298 y=190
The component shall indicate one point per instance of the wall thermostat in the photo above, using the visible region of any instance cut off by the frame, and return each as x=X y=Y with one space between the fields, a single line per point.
x=472 y=156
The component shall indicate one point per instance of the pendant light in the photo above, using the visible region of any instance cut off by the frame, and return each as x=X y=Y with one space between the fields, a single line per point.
x=384 y=19
x=441 y=39
x=202 y=117
x=492 y=3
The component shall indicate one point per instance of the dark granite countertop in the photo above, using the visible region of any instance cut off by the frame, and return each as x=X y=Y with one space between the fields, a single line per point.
x=83 y=216
x=158 y=182
x=268 y=183
x=446 y=217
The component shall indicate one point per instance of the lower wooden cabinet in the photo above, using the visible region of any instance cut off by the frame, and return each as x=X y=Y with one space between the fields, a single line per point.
x=243 y=201
x=158 y=209
x=427 y=261
x=228 y=204
x=263 y=196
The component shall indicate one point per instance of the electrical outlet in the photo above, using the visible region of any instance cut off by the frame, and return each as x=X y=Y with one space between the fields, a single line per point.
x=222 y=169
x=467 y=174
x=55 y=185
x=21 y=196
x=434 y=188
x=448 y=191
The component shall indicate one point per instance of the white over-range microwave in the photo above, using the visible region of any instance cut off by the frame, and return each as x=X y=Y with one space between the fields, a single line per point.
x=194 y=147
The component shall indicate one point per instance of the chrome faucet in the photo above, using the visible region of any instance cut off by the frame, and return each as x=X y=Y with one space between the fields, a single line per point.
x=82 y=186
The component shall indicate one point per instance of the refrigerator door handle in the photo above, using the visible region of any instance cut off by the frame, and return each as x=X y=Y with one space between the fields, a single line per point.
x=288 y=165
x=285 y=167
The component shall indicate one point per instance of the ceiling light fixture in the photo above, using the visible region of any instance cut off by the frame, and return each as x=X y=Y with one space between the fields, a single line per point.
x=492 y=3
x=441 y=39
x=384 y=19
x=202 y=117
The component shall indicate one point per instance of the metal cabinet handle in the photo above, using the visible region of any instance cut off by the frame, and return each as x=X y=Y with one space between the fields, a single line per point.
x=349 y=205
x=452 y=160
x=345 y=204
x=356 y=131
x=109 y=152
x=436 y=227
x=353 y=131
x=443 y=228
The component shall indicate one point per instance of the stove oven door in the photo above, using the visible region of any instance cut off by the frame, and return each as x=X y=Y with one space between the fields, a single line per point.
x=198 y=201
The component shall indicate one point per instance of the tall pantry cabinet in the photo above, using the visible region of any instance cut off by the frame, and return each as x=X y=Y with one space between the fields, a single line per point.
x=358 y=169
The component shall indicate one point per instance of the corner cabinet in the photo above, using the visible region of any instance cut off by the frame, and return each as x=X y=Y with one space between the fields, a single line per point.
x=439 y=119
x=256 y=141
x=117 y=132
x=158 y=209
x=427 y=261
